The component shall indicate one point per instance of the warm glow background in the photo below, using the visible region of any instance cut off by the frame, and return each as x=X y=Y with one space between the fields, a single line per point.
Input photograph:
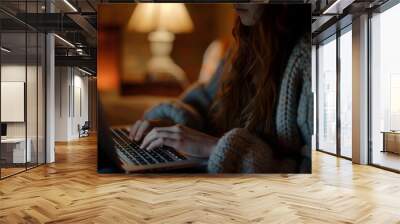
x=122 y=54
x=108 y=65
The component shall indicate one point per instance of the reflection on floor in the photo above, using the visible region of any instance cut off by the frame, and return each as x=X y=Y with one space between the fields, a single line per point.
x=10 y=170
x=71 y=191
x=386 y=159
x=346 y=152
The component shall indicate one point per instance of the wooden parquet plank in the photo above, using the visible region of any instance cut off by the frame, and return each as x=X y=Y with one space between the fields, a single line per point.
x=70 y=191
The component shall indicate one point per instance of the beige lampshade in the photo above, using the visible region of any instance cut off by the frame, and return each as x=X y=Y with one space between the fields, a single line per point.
x=172 y=17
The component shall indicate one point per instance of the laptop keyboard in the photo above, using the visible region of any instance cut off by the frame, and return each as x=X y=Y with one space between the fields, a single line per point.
x=140 y=156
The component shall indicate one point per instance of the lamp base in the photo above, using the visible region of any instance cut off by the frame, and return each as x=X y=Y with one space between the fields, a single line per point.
x=161 y=66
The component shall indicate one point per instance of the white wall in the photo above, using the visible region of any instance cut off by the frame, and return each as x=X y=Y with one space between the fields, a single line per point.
x=80 y=89
x=71 y=93
x=360 y=90
x=61 y=103
x=16 y=73
x=50 y=93
x=33 y=126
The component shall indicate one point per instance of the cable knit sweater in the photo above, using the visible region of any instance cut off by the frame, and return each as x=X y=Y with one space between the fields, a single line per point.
x=239 y=151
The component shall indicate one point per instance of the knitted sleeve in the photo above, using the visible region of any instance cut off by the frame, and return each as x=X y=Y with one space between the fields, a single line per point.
x=192 y=107
x=294 y=114
x=238 y=151
x=177 y=112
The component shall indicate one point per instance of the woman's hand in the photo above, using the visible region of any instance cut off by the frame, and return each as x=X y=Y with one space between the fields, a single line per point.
x=141 y=127
x=186 y=140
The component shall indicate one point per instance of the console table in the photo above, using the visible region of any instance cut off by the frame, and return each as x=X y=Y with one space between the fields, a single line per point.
x=391 y=141
x=13 y=150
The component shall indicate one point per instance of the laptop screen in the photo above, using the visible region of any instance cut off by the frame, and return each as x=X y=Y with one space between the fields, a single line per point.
x=3 y=129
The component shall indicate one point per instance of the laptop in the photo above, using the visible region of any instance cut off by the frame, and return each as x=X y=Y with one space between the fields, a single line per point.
x=134 y=159
x=117 y=153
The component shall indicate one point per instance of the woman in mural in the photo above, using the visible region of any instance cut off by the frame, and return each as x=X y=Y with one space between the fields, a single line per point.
x=255 y=115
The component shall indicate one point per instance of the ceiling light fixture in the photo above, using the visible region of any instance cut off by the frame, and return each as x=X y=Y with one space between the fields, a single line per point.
x=79 y=51
x=5 y=50
x=337 y=7
x=84 y=71
x=328 y=10
x=64 y=40
x=70 y=5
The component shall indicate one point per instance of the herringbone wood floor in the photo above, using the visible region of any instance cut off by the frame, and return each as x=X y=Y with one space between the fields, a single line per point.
x=70 y=191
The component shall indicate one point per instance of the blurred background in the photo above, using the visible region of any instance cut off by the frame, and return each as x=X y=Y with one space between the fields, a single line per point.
x=147 y=55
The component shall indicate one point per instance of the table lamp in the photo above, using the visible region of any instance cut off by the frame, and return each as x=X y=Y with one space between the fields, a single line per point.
x=162 y=21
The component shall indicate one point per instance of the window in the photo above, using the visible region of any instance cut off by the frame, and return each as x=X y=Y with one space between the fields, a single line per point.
x=314 y=90
x=385 y=88
x=327 y=96
x=333 y=137
x=346 y=75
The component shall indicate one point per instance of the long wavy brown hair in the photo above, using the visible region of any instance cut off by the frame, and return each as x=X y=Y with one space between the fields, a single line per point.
x=249 y=88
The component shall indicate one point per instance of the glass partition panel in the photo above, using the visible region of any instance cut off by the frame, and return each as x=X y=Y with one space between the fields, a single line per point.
x=32 y=86
x=31 y=98
x=327 y=96
x=15 y=151
x=22 y=88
